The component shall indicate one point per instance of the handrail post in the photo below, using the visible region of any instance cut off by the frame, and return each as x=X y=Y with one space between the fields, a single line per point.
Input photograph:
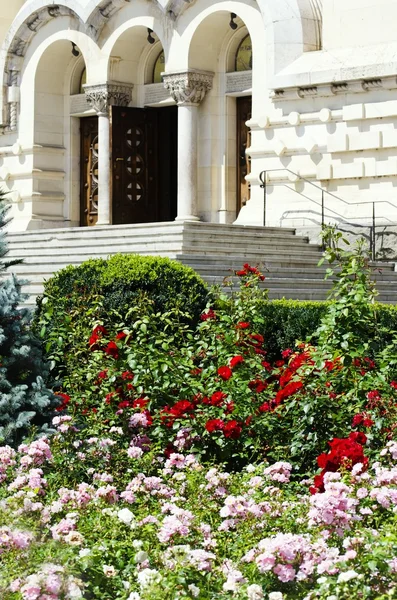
x=373 y=232
x=322 y=210
x=262 y=177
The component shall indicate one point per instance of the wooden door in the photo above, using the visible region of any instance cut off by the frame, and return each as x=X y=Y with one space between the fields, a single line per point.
x=244 y=112
x=89 y=171
x=134 y=172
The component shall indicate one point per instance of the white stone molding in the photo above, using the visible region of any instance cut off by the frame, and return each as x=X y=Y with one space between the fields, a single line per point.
x=352 y=86
x=189 y=87
x=103 y=95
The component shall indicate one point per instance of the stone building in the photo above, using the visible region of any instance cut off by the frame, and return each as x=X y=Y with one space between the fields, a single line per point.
x=137 y=111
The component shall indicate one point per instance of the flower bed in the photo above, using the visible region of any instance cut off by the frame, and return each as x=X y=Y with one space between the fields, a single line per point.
x=186 y=464
x=95 y=517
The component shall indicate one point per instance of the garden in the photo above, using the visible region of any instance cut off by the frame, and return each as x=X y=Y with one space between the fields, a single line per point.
x=160 y=440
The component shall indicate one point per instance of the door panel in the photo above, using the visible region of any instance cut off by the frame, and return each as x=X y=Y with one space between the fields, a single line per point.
x=89 y=171
x=134 y=152
x=244 y=112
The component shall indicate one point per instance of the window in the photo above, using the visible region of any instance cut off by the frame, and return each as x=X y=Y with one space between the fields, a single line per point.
x=83 y=80
x=244 y=55
x=159 y=67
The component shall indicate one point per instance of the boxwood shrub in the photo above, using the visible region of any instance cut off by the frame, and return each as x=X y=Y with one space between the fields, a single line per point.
x=122 y=278
x=286 y=321
x=106 y=289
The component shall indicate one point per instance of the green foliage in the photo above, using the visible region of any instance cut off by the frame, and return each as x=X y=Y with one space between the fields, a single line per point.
x=76 y=295
x=24 y=399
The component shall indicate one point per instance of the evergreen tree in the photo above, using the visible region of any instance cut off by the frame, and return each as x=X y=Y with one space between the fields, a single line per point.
x=24 y=399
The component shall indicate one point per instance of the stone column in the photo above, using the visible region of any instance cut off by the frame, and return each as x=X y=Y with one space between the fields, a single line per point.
x=188 y=88
x=101 y=97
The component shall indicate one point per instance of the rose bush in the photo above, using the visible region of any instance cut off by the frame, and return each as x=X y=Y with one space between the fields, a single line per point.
x=215 y=392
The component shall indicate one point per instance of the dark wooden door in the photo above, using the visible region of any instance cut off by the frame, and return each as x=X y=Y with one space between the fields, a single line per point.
x=89 y=171
x=244 y=112
x=143 y=164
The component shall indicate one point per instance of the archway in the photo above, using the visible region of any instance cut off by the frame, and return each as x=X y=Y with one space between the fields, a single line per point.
x=218 y=44
x=56 y=137
x=144 y=134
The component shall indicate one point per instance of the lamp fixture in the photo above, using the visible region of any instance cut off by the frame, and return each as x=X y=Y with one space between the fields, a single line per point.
x=150 y=38
x=75 y=50
x=232 y=24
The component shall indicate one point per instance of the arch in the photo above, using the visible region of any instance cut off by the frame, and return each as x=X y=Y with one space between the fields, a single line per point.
x=32 y=17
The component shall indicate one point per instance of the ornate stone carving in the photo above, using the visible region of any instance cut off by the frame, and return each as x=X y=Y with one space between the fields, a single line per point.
x=103 y=95
x=188 y=87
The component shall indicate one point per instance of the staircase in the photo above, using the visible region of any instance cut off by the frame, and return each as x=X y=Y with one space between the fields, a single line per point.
x=215 y=251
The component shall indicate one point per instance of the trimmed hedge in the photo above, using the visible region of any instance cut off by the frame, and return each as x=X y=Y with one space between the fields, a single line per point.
x=113 y=290
x=286 y=321
x=122 y=279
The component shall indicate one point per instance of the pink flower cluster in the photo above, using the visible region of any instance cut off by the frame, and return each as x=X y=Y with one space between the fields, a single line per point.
x=293 y=557
x=336 y=507
x=35 y=454
x=7 y=460
x=280 y=471
x=14 y=538
x=50 y=583
x=177 y=523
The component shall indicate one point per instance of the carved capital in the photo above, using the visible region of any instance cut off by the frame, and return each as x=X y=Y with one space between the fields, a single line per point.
x=103 y=95
x=188 y=87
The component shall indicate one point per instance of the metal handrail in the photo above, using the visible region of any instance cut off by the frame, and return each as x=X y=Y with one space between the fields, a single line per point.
x=372 y=241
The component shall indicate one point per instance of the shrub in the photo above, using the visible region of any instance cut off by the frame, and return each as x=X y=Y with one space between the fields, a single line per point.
x=24 y=399
x=99 y=288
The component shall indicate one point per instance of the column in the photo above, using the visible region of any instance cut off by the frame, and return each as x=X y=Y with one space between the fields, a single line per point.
x=101 y=97
x=188 y=89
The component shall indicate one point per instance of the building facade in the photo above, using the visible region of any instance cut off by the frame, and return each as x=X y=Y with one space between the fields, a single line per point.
x=135 y=111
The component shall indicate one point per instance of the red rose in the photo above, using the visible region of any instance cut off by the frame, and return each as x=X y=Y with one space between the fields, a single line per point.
x=367 y=422
x=103 y=374
x=243 y=325
x=65 y=401
x=265 y=407
x=96 y=335
x=140 y=403
x=357 y=420
x=236 y=360
x=232 y=430
x=286 y=353
x=121 y=335
x=394 y=384
x=266 y=365
x=241 y=273
x=217 y=398
x=214 y=425
x=229 y=408
x=256 y=338
x=225 y=373
x=127 y=376
x=257 y=385
x=210 y=314
x=359 y=437
x=290 y=389
x=112 y=350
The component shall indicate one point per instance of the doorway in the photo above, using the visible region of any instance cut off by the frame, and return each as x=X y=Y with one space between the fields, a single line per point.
x=144 y=155
x=244 y=112
x=89 y=171
x=144 y=164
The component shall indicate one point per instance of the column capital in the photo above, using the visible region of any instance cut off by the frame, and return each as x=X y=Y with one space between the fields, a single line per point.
x=112 y=93
x=188 y=87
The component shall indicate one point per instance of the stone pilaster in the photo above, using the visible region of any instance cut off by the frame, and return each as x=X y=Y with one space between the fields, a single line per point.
x=188 y=89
